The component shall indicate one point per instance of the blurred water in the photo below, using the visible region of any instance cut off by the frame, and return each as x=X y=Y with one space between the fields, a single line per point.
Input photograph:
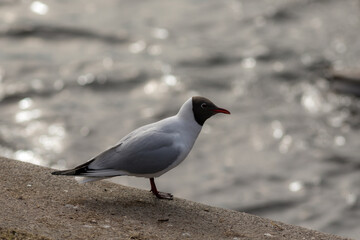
x=76 y=76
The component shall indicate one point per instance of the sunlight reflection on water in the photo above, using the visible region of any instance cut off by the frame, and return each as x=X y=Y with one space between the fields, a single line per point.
x=28 y=156
x=28 y=115
x=39 y=8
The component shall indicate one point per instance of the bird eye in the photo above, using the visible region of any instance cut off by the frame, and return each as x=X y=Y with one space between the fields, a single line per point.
x=203 y=105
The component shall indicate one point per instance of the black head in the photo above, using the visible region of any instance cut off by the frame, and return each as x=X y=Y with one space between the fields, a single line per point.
x=203 y=109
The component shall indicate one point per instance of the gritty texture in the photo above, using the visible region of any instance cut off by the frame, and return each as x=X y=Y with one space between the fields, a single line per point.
x=37 y=205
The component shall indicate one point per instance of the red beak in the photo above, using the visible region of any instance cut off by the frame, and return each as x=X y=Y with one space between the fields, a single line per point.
x=221 y=110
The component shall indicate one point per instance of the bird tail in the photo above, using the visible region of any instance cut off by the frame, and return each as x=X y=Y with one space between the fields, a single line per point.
x=84 y=174
x=80 y=173
x=82 y=180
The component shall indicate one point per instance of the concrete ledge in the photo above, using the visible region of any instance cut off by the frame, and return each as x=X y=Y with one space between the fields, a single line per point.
x=36 y=205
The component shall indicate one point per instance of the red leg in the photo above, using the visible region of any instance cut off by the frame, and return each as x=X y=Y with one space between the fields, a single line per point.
x=158 y=194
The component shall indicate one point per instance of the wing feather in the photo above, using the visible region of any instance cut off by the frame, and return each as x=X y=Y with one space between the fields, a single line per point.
x=142 y=152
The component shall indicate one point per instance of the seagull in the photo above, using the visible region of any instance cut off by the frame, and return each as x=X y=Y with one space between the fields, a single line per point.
x=151 y=150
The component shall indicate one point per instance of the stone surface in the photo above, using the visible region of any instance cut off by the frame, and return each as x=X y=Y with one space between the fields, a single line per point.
x=37 y=205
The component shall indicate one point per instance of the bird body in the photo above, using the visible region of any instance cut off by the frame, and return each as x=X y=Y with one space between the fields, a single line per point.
x=151 y=150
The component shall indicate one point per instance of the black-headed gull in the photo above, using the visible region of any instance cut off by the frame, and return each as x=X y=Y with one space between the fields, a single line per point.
x=153 y=149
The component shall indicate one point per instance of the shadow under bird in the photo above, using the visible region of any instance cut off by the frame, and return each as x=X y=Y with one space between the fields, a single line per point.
x=153 y=149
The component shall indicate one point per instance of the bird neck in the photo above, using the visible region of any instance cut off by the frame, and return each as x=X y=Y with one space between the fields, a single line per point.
x=186 y=113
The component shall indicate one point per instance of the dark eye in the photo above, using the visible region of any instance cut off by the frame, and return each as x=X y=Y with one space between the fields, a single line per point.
x=203 y=105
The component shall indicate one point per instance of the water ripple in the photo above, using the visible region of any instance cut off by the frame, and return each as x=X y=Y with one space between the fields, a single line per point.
x=58 y=32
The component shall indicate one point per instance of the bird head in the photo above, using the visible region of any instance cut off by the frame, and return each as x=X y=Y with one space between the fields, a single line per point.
x=203 y=109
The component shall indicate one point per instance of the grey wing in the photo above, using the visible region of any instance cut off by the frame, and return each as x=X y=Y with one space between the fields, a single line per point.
x=142 y=153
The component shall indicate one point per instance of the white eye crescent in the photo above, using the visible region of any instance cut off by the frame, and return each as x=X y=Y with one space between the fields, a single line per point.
x=203 y=105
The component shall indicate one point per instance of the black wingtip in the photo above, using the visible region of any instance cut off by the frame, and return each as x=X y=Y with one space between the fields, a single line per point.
x=70 y=172
x=79 y=170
